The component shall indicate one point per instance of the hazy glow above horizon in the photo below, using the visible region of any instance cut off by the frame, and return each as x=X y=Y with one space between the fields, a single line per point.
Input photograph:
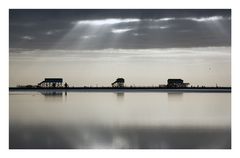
x=199 y=66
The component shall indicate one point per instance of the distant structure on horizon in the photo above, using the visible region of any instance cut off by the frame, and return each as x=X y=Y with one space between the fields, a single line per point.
x=118 y=83
x=176 y=83
x=51 y=83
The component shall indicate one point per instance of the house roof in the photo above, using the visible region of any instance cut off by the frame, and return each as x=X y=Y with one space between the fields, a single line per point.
x=53 y=80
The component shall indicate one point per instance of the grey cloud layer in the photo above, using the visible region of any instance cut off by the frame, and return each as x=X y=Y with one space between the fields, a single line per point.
x=127 y=29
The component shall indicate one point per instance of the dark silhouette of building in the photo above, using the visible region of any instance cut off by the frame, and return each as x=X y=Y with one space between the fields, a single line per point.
x=176 y=83
x=51 y=82
x=118 y=83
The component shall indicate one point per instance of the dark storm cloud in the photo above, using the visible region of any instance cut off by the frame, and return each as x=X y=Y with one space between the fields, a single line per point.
x=101 y=29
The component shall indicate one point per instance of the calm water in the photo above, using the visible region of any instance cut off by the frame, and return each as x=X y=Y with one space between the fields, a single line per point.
x=48 y=119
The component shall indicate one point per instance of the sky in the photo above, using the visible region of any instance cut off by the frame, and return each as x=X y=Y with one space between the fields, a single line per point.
x=146 y=47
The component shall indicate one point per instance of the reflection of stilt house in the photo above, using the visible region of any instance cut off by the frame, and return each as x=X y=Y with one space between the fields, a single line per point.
x=51 y=82
x=52 y=93
x=176 y=83
x=118 y=83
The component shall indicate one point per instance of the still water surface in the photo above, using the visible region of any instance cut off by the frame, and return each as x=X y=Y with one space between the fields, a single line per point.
x=50 y=119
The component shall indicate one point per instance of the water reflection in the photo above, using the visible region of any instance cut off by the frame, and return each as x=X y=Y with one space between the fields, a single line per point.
x=120 y=95
x=53 y=95
x=175 y=96
x=95 y=137
x=57 y=119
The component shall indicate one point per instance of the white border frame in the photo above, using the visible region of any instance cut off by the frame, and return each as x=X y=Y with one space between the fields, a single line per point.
x=157 y=4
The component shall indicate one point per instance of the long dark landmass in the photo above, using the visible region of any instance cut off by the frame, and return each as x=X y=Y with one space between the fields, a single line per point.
x=126 y=89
